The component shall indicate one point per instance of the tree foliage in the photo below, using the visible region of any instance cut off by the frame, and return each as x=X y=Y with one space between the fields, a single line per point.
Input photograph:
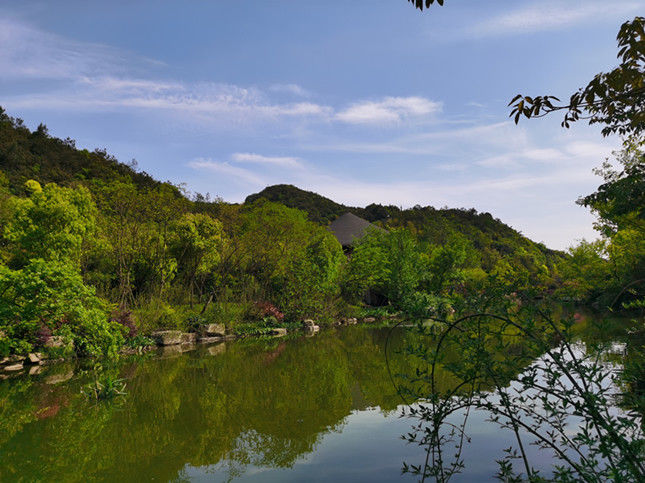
x=615 y=99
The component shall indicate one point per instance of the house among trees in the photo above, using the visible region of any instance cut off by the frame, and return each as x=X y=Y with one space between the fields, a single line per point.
x=348 y=228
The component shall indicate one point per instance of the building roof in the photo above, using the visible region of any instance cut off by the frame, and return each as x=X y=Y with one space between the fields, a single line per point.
x=349 y=227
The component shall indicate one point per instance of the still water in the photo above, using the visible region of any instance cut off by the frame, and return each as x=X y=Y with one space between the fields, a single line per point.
x=317 y=408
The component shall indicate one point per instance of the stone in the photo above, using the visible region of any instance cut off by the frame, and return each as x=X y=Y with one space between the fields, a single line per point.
x=34 y=358
x=170 y=350
x=55 y=342
x=217 y=349
x=308 y=323
x=166 y=337
x=34 y=370
x=369 y=320
x=279 y=332
x=188 y=338
x=58 y=378
x=14 y=367
x=12 y=359
x=212 y=330
x=312 y=329
x=350 y=321
x=210 y=340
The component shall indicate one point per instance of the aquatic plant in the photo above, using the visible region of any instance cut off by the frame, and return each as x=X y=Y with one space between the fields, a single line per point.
x=104 y=387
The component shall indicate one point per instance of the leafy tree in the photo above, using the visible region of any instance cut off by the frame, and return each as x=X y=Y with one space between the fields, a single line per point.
x=196 y=243
x=50 y=224
x=421 y=3
x=615 y=99
x=49 y=297
x=619 y=202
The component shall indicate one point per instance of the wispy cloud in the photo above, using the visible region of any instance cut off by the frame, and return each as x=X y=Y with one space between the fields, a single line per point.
x=28 y=52
x=388 y=110
x=292 y=89
x=550 y=15
x=235 y=172
x=282 y=161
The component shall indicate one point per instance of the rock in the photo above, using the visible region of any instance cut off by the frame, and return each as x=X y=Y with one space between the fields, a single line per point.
x=34 y=358
x=279 y=332
x=166 y=337
x=308 y=323
x=14 y=367
x=217 y=349
x=58 y=378
x=55 y=342
x=170 y=350
x=12 y=359
x=210 y=340
x=188 y=338
x=34 y=370
x=369 y=320
x=212 y=330
x=350 y=321
x=312 y=329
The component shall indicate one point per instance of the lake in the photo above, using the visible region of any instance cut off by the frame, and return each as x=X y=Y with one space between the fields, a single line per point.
x=319 y=408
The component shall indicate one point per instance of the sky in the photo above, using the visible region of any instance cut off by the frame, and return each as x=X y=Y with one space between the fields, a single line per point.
x=368 y=101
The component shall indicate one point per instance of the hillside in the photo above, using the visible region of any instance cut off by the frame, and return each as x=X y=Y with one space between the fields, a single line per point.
x=36 y=155
x=489 y=236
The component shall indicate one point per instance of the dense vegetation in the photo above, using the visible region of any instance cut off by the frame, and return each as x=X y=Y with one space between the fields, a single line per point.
x=95 y=252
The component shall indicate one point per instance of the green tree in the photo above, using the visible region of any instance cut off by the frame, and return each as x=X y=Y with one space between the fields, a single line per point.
x=50 y=224
x=615 y=99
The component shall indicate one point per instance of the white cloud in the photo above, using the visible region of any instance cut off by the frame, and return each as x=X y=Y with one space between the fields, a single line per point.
x=225 y=169
x=388 y=110
x=27 y=52
x=550 y=15
x=293 y=89
x=284 y=161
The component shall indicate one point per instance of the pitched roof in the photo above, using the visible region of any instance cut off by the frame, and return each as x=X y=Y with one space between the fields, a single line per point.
x=349 y=227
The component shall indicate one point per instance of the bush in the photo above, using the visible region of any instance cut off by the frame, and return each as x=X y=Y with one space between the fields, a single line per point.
x=49 y=298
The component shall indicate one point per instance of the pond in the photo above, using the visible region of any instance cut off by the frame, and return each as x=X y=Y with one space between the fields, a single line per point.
x=290 y=409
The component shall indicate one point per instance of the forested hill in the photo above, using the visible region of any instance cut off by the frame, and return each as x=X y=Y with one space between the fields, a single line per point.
x=26 y=154
x=36 y=155
x=490 y=236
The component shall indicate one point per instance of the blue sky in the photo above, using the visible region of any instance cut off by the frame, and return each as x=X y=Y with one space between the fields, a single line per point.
x=362 y=101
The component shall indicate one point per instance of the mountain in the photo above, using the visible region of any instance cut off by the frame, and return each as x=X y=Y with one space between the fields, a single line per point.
x=489 y=236
x=37 y=155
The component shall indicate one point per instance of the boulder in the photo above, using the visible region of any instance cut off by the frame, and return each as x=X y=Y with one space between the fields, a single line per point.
x=210 y=340
x=217 y=349
x=279 y=332
x=166 y=337
x=170 y=350
x=212 y=330
x=188 y=338
x=56 y=342
x=14 y=367
x=34 y=358
x=58 y=378
x=369 y=320
x=34 y=370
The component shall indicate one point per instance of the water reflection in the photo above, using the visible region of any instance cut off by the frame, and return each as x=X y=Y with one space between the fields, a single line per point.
x=319 y=408
x=256 y=403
